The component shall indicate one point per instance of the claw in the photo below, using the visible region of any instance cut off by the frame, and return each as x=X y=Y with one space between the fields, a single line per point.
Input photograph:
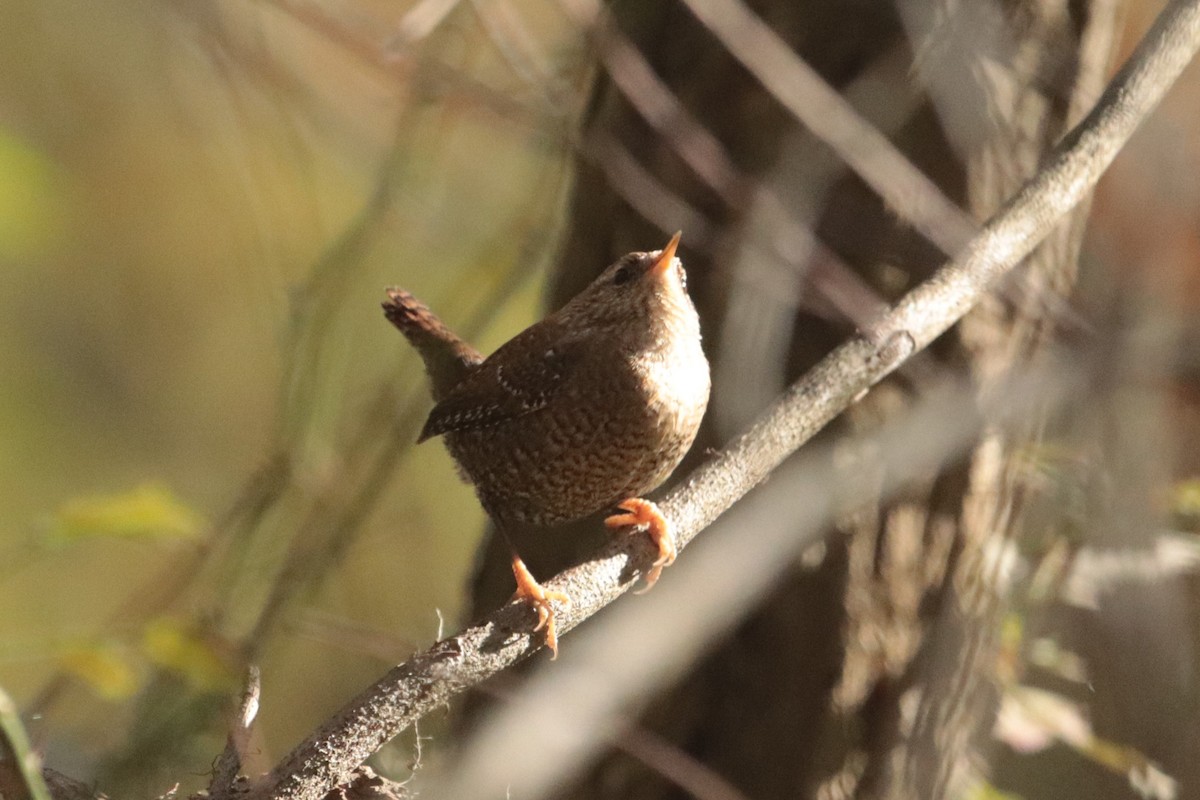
x=643 y=513
x=540 y=598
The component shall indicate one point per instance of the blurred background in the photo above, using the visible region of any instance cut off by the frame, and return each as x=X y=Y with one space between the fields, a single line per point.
x=207 y=427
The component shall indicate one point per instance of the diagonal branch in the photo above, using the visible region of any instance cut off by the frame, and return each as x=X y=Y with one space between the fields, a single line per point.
x=433 y=677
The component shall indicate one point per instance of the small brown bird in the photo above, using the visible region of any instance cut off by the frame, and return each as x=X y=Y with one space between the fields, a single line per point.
x=588 y=409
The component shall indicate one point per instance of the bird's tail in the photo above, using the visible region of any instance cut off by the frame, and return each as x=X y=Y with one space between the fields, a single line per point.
x=448 y=359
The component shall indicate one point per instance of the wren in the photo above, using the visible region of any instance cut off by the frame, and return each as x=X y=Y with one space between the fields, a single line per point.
x=588 y=409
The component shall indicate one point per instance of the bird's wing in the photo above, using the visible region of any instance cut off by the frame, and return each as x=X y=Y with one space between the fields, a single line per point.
x=518 y=379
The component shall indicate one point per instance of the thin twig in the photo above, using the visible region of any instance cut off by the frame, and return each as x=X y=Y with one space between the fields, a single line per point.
x=827 y=114
x=512 y=40
x=20 y=766
x=430 y=679
x=632 y=74
x=665 y=757
x=63 y=787
x=699 y=780
x=224 y=783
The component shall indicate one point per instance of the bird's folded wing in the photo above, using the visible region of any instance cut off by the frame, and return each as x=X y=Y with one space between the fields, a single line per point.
x=518 y=379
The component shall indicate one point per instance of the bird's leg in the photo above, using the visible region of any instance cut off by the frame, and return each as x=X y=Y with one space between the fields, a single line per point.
x=536 y=595
x=645 y=514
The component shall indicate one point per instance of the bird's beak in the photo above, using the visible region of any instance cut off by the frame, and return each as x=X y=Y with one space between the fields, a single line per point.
x=661 y=266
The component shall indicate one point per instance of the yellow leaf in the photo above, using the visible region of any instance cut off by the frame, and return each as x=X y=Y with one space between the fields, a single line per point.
x=173 y=646
x=149 y=511
x=106 y=668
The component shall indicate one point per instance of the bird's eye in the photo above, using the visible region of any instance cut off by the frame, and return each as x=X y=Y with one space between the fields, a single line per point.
x=683 y=279
x=623 y=275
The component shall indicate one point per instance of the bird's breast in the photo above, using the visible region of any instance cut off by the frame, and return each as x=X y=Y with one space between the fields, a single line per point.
x=676 y=382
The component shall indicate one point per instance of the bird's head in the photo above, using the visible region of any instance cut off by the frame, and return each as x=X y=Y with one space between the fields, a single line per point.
x=638 y=289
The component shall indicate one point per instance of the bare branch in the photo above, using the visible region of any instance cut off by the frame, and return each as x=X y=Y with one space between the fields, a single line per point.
x=224 y=783
x=827 y=114
x=420 y=21
x=433 y=677
x=681 y=768
x=63 y=787
x=549 y=729
x=20 y=766
x=658 y=105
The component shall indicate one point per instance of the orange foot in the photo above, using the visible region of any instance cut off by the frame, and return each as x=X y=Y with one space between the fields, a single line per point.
x=643 y=513
x=532 y=592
